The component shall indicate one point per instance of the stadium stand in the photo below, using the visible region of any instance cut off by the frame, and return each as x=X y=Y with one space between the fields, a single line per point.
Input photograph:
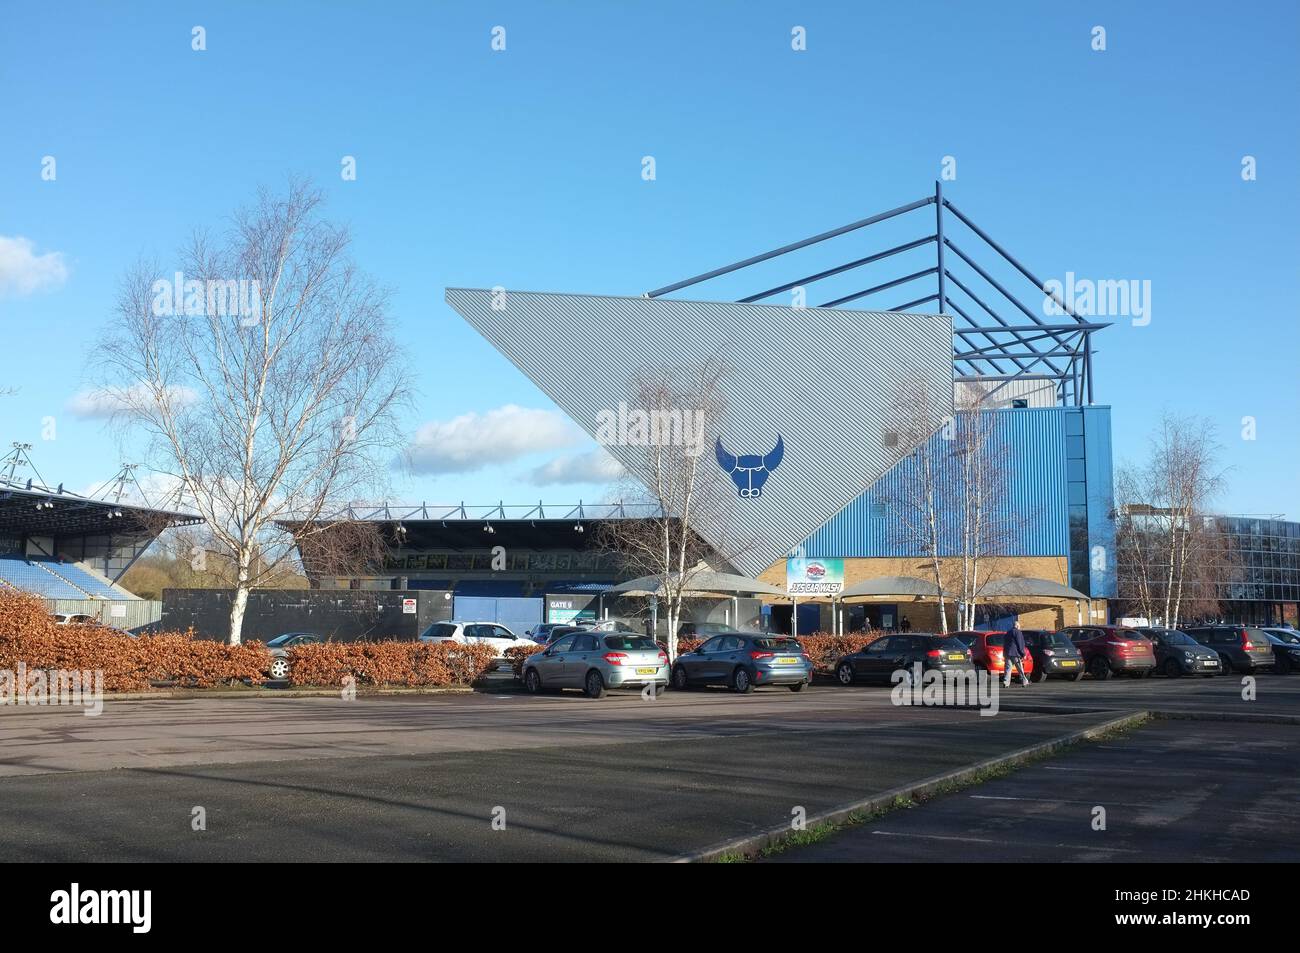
x=31 y=576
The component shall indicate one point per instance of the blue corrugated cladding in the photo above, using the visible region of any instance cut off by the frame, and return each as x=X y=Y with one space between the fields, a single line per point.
x=1101 y=500
x=1035 y=510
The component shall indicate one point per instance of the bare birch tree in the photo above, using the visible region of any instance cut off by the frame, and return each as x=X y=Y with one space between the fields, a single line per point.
x=672 y=474
x=920 y=498
x=1166 y=538
x=262 y=375
x=981 y=477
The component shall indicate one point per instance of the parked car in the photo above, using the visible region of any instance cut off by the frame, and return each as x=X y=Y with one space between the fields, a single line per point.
x=1112 y=650
x=1286 y=650
x=279 y=648
x=878 y=661
x=703 y=630
x=1240 y=648
x=77 y=618
x=596 y=661
x=744 y=661
x=1177 y=654
x=987 y=651
x=557 y=631
x=474 y=633
x=1053 y=655
x=606 y=625
x=540 y=633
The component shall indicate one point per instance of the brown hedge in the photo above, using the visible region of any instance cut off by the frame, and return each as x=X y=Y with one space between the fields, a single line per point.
x=29 y=635
x=390 y=663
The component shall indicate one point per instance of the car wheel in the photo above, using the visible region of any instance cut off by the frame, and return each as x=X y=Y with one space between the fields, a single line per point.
x=533 y=682
x=279 y=668
x=595 y=684
x=845 y=674
x=1173 y=669
x=1076 y=676
x=681 y=681
x=1225 y=665
x=796 y=688
x=1099 y=668
x=1282 y=666
x=1038 y=675
x=741 y=683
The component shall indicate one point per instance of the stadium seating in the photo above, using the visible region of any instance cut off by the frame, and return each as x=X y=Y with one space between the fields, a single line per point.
x=55 y=580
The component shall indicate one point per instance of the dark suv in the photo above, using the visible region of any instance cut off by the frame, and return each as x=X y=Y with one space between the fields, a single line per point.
x=1112 y=650
x=878 y=661
x=1177 y=653
x=1054 y=654
x=1240 y=648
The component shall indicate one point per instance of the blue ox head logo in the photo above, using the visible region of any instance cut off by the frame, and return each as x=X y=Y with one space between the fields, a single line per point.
x=750 y=471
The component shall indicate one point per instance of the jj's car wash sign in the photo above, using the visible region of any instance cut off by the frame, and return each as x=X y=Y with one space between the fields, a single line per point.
x=814 y=577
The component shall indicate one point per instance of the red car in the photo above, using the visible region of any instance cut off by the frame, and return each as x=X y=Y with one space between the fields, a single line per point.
x=1113 y=650
x=987 y=652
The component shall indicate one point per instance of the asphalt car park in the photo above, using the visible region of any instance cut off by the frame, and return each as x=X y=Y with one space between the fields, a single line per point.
x=1215 y=793
x=622 y=777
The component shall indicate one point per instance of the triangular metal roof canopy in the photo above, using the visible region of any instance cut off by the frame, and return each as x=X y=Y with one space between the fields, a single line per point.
x=823 y=380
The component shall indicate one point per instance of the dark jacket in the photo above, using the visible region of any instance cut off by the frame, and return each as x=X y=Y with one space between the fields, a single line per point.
x=1014 y=643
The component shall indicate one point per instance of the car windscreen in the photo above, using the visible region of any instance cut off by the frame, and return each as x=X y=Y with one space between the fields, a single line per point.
x=279 y=640
x=1290 y=638
x=995 y=641
x=443 y=630
x=778 y=645
x=630 y=643
x=1177 y=638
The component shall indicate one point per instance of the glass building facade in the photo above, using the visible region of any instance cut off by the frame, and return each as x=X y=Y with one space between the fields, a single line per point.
x=1259 y=581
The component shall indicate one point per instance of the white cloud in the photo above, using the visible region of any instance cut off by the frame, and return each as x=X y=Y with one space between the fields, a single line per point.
x=473 y=441
x=102 y=404
x=594 y=467
x=23 y=272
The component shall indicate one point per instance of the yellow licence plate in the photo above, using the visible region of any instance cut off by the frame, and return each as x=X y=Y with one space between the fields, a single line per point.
x=787 y=660
x=956 y=658
x=1070 y=664
x=646 y=671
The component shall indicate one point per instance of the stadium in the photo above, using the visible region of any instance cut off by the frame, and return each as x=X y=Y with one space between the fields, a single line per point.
x=71 y=549
x=810 y=439
x=812 y=430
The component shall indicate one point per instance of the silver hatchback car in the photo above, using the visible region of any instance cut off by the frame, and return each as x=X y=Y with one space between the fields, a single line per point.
x=596 y=661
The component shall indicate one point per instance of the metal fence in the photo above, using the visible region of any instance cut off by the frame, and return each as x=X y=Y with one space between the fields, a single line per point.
x=127 y=614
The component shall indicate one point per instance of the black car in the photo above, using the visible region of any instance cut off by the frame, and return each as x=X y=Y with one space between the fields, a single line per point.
x=1286 y=650
x=1240 y=648
x=1178 y=654
x=878 y=661
x=1054 y=655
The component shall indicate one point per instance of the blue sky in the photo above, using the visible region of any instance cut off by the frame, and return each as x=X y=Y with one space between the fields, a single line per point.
x=523 y=168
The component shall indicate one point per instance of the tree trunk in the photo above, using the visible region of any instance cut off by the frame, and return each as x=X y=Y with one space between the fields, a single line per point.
x=237 y=608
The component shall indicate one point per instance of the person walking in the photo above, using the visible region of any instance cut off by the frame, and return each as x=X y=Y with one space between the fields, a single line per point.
x=905 y=625
x=1014 y=653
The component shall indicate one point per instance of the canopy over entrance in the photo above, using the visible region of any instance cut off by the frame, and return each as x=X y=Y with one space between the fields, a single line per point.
x=702 y=583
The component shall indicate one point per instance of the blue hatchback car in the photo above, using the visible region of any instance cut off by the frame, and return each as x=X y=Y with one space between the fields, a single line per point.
x=744 y=661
